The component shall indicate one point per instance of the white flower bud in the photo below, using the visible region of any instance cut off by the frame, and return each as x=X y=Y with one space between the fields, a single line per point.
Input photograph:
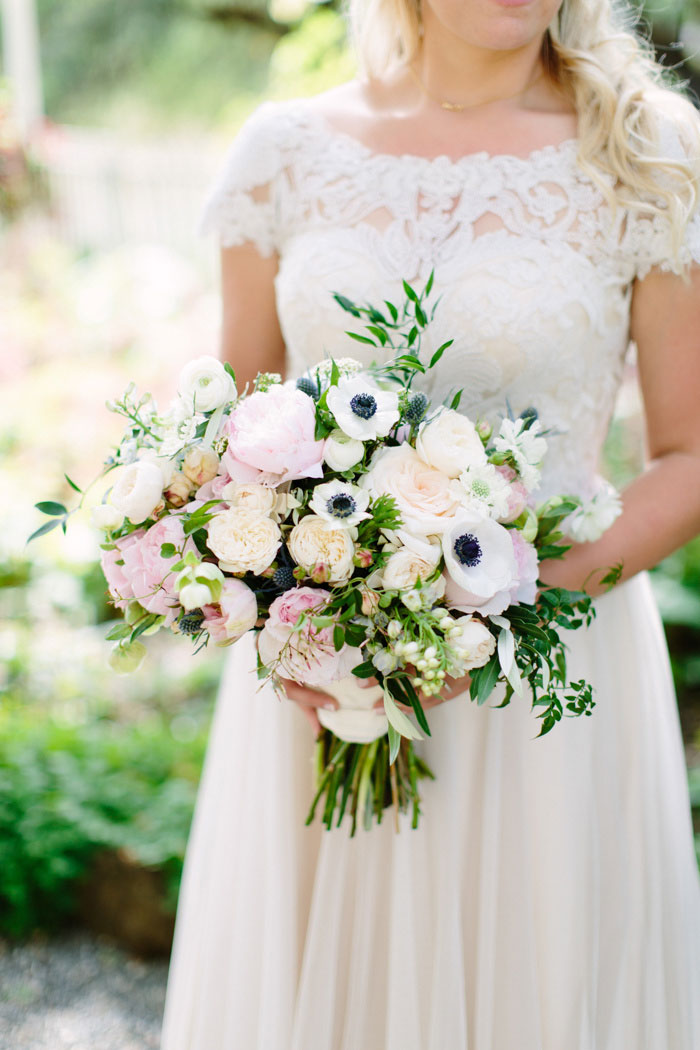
x=394 y=629
x=194 y=596
x=342 y=452
x=105 y=516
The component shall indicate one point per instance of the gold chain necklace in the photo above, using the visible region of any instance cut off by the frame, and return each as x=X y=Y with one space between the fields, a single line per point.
x=458 y=107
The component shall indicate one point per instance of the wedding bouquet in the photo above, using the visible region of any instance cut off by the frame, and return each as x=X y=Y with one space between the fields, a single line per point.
x=363 y=532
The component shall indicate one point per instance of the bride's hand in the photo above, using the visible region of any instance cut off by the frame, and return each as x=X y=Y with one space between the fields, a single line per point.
x=309 y=700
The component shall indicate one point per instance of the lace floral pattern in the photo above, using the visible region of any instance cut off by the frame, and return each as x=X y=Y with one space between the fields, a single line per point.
x=534 y=271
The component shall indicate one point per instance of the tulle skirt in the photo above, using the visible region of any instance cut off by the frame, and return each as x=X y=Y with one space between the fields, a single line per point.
x=549 y=899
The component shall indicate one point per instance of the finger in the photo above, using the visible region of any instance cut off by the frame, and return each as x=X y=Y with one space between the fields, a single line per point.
x=309 y=697
x=311 y=717
x=366 y=683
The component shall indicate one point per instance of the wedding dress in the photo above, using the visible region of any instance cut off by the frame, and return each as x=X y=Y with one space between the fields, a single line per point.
x=549 y=899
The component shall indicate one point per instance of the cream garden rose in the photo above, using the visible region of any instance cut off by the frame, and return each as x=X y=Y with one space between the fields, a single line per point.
x=450 y=443
x=251 y=495
x=424 y=497
x=314 y=542
x=243 y=540
x=138 y=490
x=405 y=566
x=474 y=644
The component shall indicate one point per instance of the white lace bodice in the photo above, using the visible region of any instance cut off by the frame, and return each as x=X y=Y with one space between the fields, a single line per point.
x=533 y=271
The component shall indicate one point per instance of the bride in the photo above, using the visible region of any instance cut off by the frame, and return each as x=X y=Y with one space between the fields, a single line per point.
x=529 y=152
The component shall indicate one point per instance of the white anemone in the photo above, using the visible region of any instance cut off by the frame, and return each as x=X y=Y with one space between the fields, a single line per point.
x=362 y=409
x=340 y=503
x=481 y=565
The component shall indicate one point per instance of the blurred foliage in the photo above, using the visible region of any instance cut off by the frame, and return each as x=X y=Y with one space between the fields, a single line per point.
x=68 y=791
x=88 y=761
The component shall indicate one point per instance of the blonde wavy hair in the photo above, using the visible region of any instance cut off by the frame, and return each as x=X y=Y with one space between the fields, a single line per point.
x=622 y=95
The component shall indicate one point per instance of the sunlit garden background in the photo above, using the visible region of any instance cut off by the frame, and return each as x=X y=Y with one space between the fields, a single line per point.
x=103 y=280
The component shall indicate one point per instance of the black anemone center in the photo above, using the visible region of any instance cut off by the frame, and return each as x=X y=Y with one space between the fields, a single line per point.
x=364 y=405
x=341 y=505
x=468 y=549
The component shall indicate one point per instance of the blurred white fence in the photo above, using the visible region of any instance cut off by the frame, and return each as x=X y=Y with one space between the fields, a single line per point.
x=105 y=191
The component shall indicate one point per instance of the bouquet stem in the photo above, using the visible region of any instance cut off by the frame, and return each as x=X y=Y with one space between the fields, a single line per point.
x=358 y=779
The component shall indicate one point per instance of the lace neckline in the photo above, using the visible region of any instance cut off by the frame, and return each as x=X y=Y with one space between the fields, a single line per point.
x=312 y=117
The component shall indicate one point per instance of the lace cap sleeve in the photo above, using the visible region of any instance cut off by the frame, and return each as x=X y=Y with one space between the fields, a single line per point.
x=651 y=234
x=242 y=205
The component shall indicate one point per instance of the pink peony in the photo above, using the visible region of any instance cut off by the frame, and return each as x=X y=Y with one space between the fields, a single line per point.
x=528 y=569
x=234 y=613
x=118 y=581
x=149 y=575
x=307 y=656
x=213 y=489
x=273 y=433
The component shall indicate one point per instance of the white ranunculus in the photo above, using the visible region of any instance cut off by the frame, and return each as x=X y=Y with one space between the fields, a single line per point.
x=450 y=443
x=361 y=408
x=243 y=540
x=342 y=504
x=481 y=565
x=105 y=516
x=314 y=542
x=138 y=490
x=423 y=495
x=249 y=494
x=166 y=465
x=473 y=644
x=204 y=384
x=589 y=521
x=527 y=447
x=342 y=452
x=356 y=719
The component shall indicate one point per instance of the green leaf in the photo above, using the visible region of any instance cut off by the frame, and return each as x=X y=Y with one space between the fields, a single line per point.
x=354 y=634
x=483 y=680
x=379 y=332
x=416 y=705
x=49 y=506
x=412 y=295
x=43 y=529
x=73 y=484
x=412 y=336
x=429 y=283
x=168 y=550
x=121 y=630
x=365 y=670
x=400 y=721
x=346 y=304
x=392 y=310
x=394 y=744
x=454 y=404
x=421 y=319
x=439 y=352
x=361 y=338
x=229 y=368
x=338 y=637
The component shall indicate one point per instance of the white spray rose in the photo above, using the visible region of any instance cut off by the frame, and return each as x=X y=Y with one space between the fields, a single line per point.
x=405 y=566
x=473 y=644
x=243 y=540
x=200 y=465
x=450 y=443
x=314 y=541
x=205 y=384
x=137 y=491
x=342 y=452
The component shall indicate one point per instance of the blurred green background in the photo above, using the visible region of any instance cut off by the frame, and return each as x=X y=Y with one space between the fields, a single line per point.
x=103 y=280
